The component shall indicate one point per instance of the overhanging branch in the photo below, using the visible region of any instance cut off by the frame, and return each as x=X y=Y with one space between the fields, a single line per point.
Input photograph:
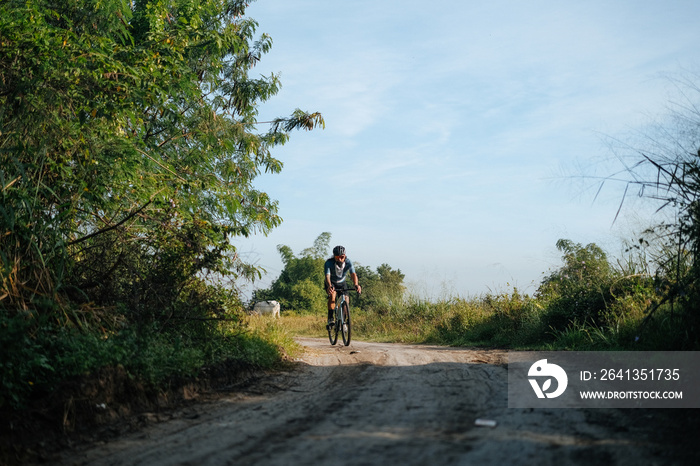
x=111 y=227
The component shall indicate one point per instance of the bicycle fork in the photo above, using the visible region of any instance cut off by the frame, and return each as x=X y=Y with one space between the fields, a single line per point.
x=339 y=317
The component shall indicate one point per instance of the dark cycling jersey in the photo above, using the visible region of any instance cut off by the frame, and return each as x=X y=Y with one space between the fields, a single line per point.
x=338 y=272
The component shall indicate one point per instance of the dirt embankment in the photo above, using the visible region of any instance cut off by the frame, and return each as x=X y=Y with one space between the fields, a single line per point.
x=385 y=404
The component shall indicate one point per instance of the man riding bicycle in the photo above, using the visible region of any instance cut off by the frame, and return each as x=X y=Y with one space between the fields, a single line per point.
x=336 y=269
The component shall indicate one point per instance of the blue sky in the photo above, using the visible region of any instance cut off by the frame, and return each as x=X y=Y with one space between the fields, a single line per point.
x=453 y=129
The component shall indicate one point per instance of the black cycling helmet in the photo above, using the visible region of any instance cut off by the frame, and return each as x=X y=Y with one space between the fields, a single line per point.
x=338 y=251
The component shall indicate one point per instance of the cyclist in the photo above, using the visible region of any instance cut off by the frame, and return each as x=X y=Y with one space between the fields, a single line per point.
x=336 y=269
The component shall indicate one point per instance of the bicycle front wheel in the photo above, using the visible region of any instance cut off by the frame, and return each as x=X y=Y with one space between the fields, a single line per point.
x=345 y=327
x=333 y=332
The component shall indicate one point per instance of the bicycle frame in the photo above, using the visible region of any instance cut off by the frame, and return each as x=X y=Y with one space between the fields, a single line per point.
x=339 y=317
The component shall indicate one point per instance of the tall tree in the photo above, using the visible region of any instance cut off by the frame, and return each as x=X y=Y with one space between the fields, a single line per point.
x=129 y=145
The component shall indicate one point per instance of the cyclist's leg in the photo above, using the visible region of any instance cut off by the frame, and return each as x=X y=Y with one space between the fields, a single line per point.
x=332 y=330
x=331 y=304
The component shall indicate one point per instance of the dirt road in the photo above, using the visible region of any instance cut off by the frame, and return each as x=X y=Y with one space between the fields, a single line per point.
x=389 y=404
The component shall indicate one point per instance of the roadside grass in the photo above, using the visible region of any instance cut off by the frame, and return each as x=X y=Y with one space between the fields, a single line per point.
x=292 y=323
x=38 y=356
x=505 y=320
x=277 y=333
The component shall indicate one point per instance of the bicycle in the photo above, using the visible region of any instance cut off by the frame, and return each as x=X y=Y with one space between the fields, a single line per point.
x=342 y=321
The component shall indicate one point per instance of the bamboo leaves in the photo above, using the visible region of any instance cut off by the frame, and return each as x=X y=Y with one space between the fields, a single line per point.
x=128 y=120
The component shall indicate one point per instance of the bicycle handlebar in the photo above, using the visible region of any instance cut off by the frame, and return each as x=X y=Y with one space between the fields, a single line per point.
x=344 y=289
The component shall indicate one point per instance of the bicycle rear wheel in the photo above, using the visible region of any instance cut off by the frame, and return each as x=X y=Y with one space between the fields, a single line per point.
x=333 y=332
x=346 y=327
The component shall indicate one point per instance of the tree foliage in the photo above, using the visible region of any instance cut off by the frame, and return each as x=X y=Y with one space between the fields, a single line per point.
x=129 y=147
x=579 y=291
x=381 y=288
x=300 y=284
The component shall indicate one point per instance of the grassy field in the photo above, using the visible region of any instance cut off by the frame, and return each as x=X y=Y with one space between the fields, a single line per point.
x=504 y=321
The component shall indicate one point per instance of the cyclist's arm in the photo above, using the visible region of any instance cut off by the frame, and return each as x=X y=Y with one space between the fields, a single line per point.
x=329 y=285
x=327 y=270
x=356 y=282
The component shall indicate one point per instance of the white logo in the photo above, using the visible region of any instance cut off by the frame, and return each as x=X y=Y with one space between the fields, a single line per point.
x=542 y=369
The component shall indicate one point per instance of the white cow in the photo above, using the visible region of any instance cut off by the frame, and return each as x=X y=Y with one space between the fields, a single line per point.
x=267 y=307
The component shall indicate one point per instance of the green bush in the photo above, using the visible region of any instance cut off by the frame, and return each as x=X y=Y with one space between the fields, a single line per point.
x=23 y=364
x=309 y=295
x=579 y=290
x=38 y=354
